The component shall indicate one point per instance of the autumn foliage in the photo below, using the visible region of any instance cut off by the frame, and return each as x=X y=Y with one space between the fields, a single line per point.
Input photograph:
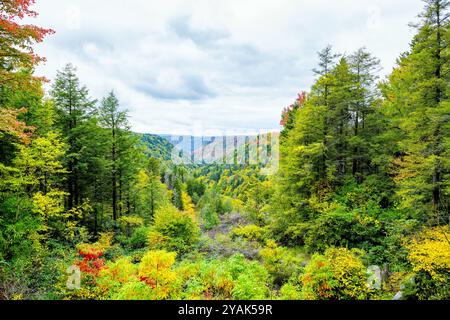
x=17 y=54
x=338 y=274
x=16 y=39
x=9 y=124
x=91 y=255
x=287 y=112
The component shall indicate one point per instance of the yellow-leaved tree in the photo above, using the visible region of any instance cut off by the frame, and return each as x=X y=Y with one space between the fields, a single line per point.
x=429 y=255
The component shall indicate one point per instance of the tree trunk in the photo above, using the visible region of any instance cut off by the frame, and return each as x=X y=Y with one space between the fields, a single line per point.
x=114 y=174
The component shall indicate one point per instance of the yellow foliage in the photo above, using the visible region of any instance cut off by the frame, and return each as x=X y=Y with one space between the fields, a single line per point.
x=156 y=270
x=49 y=205
x=98 y=248
x=17 y=297
x=366 y=220
x=279 y=261
x=180 y=230
x=84 y=293
x=142 y=179
x=155 y=261
x=238 y=205
x=105 y=240
x=131 y=221
x=430 y=252
x=156 y=239
x=250 y=232
x=121 y=271
x=189 y=207
x=339 y=274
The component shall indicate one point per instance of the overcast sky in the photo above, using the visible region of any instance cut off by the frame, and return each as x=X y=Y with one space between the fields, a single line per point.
x=184 y=66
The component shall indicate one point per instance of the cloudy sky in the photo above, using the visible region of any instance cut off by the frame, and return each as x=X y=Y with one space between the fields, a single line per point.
x=211 y=66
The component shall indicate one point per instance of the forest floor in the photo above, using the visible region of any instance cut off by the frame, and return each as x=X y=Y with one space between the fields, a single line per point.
x=220 y=240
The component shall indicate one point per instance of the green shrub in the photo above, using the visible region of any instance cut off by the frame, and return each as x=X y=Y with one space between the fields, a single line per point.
x=341 y=228
x=290 y=291
x=280 y=262
x=135 y=290
x=176 y=230
x=139 y=238
x=232 y=278
x=226 y=205
x=128 y=223
x=210 y=217
x=247 y=288
x=250 y=278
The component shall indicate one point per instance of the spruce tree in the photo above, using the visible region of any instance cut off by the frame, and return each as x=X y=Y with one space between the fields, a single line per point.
x=417 y=99
x=73 y=107
x=115 y=121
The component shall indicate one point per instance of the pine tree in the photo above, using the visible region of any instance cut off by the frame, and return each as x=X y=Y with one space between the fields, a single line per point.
x=417 y=98
x=364 y=66
x=115 y=121
x=327 y=62
x=321 y=94
x=340 y=102
x=330 y=144
x=73 y=107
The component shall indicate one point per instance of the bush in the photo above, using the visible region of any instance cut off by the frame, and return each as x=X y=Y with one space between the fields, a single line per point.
x=135 y=290
x=156 y=271
x=339 y=274
x=250 y=278
x=115 y=275
x=391 y=250
x=18 y=237
x=128 y=223
x=429 y=255
x=280 y=262
x=290 y=291
x=139 y=238
x=250 y=232
x=212 y=205
x=175 y=230
x=227 y=205
x=232 y=278
x=152 y=279
x=204 y=279
x=210 y=217
x=341 y=228
x=92 y=261
x=247 y=288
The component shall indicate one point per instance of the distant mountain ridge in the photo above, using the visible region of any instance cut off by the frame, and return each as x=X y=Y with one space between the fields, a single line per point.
x=204 y=150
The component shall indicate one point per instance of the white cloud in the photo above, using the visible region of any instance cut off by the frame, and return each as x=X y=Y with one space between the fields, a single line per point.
x=222 y=64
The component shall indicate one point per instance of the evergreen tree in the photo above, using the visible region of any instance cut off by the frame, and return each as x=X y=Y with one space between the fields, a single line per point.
x=417 y=99
x=327 y=62
x=73 y=108
x=330 y=144
x=115 y=121
x=364 y=66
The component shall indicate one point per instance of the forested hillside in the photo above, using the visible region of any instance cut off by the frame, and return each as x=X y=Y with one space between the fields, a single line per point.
x=357 y=210
x=157 y=146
